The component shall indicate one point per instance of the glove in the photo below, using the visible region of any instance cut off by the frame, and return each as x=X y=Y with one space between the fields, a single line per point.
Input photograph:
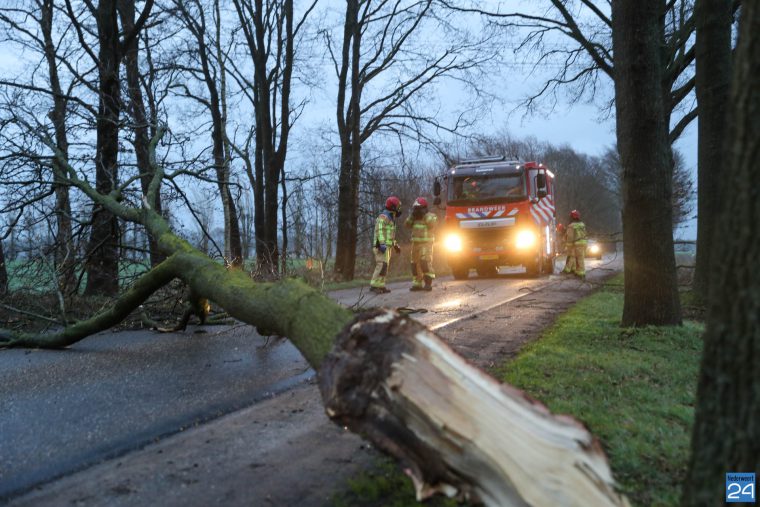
x=382 y=248
x=396 y=248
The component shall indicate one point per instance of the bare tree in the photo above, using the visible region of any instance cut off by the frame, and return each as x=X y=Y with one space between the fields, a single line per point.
x=271 y=31
x=381 y=42
x=41 y=39
x=137 y=110
x=102 y=262
x=211 y=68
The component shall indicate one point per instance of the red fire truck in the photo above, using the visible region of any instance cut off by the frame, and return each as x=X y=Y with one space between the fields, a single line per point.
x=498 y=212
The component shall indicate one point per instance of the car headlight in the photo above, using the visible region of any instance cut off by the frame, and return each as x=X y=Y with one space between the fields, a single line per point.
x=525 y=239
x=594 y=249
x=453 y=243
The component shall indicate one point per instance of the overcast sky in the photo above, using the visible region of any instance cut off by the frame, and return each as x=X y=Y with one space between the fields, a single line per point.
x=578 y=125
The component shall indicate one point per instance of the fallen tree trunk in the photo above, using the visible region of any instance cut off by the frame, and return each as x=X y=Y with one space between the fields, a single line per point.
x=454 y=429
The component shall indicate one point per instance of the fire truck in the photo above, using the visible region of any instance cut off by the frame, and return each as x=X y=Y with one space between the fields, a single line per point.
x=498 y=212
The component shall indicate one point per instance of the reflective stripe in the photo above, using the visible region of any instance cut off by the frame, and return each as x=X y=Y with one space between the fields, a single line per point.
x=385 y=230
x=422 y=228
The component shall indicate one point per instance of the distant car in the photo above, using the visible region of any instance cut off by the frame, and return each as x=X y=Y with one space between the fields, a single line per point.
x=593 y=249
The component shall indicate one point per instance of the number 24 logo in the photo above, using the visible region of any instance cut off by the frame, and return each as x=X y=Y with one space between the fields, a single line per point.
x=736 y=492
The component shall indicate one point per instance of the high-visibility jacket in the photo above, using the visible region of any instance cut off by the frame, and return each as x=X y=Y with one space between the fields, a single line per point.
x=385 y=229
x=576 y=233
x=423 y=229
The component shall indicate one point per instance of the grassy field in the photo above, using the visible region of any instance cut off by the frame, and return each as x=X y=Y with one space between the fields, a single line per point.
x=633 y=388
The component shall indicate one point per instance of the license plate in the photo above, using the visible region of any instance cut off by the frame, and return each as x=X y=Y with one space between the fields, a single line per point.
x=488 y=257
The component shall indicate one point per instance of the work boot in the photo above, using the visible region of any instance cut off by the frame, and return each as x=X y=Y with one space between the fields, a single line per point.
x=379 y=290
x=415 y=288
x=428 y=288
x=428 y=284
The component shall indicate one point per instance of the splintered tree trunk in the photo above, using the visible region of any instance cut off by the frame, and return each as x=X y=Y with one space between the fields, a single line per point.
x=454 y=429
x=726 y=434
x=651 y=286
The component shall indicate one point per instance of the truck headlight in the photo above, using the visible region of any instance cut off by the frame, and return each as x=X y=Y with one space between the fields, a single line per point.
x=525 y=239
x=453 y=243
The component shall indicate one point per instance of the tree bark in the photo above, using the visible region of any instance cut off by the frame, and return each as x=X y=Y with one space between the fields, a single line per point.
x=103 y=254
x=713 y=85
x=726 y=435
x=3 y=271
x=651 y=289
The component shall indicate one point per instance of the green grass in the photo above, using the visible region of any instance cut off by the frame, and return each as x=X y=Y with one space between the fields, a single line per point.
x=633 y=388
x=383 y=486
x=38 y=277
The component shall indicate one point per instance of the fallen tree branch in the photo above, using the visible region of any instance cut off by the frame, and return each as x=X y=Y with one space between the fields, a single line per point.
x=141 y=290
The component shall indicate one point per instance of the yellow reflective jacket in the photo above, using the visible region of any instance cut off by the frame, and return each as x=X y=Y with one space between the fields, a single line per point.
x=385 y=230
x=576 y=233
x=423 y=229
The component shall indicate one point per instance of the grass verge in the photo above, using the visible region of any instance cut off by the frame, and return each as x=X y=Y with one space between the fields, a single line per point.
x=633 y=388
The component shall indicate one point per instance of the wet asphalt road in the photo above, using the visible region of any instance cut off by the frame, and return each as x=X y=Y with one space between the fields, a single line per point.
x=62 y=411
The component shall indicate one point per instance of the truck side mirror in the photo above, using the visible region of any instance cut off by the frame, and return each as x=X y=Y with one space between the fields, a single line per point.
x=436 y=190
x=541 y=185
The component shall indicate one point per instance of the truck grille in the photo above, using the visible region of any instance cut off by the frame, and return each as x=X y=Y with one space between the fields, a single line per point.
x=488 y=239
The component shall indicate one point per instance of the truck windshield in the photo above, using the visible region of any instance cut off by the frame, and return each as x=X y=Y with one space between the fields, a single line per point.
x=487 y=187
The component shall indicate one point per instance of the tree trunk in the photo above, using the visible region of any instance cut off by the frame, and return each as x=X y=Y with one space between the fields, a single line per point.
x=137 y=110
x=3 y=271
x=349 y=128
x=651 y=289
x=726 y=434
x=454 y=429
x=65 y=253
x=713 y=83
x=348 y=205
x=103 y=256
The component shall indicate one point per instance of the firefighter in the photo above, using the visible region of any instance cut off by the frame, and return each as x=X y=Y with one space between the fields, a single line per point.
x=576 y=241
x=422 y=225
x=384 y=240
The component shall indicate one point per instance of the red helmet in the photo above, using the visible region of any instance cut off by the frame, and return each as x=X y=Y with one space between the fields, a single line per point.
x=574 y=215
x=392 y=203
x=420 y=202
